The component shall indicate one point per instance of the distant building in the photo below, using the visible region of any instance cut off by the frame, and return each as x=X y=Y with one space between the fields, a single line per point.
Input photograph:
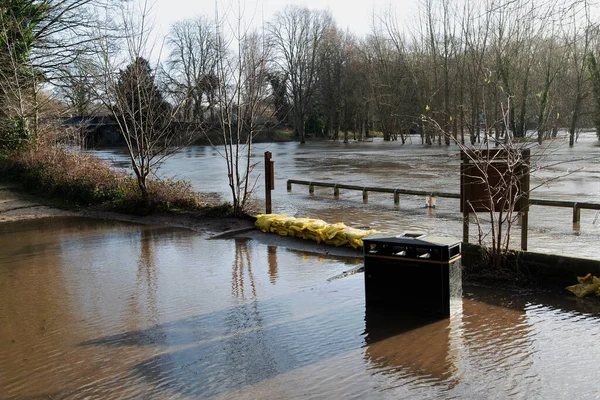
x=96 y=131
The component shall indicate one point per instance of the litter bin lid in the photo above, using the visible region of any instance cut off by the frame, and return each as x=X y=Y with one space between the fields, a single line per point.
x=433 y=248
x=429 y=241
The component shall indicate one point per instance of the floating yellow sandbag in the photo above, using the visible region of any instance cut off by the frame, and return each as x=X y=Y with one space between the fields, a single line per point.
x=585 y=279
x=587 y=285
x=583 y=289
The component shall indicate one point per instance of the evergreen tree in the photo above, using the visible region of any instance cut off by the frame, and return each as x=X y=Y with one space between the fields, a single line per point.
x=144 y=117
x=18 y=22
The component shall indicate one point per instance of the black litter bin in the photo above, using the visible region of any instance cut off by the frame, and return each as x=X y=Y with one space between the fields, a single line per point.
x=412 y=275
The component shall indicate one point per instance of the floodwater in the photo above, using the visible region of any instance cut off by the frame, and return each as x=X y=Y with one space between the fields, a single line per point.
x=560 y=173
x=99 y=309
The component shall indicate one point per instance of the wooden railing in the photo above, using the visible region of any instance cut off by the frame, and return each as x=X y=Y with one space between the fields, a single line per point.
x=574 y=205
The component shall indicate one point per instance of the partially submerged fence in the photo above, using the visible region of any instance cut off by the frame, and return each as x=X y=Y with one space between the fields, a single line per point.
x=574 y=205
x=366 y=189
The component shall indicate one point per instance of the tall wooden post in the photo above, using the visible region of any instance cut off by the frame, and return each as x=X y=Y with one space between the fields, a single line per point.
x=524 y=206
x=269 y=180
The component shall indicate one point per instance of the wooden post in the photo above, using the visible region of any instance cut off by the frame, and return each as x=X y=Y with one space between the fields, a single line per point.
x=269 y=181
x=289 y=186
x=365 y=195
x=576 y=218
x=396 y=197
x=311 y=188
x=524 y=228
x=525 y=199
x=464 y=195
x=576 y=214
x=336 y=192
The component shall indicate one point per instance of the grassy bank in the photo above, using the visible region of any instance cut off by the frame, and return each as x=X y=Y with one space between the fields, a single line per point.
x=525 y=269
x=76 y=179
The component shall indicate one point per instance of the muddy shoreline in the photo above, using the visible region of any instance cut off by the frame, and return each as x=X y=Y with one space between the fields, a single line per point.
x=16 y=205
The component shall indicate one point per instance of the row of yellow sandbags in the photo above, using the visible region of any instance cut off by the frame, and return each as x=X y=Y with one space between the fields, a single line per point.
x=313 y=229
x=587 y=285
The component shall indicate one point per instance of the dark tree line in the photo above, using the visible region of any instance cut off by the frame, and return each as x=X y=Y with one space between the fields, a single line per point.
x=477 y=69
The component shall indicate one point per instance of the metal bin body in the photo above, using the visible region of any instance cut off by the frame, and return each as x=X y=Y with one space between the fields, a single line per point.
x=412 y=275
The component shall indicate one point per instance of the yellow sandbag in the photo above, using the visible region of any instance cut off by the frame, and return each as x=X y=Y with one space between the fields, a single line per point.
x=281 y=223
x=313 y=229
x=585 y=279
x=331 y=230
x=338 y=240
x=354 y=236
x=281 y=231
x=299 y=224
x=583 y=289
x=264 y=221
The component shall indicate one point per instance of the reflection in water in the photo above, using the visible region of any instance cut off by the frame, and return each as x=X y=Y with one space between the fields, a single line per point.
x=248 y=357
x=242 y=266
x=273 y=267
x=147 y=278
x=421 y=350
x=408 y=346
x=497 y=334
x=106 y=310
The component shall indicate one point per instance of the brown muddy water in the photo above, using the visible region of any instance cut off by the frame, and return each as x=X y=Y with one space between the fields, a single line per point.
x=560 y=173
x=95 y=309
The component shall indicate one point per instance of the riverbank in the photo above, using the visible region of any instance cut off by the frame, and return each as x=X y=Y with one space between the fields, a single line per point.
x=538 y=271
x=16 y=205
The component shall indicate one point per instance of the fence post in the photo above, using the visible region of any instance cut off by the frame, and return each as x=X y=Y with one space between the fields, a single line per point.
x=576 y=214
x=269 y=181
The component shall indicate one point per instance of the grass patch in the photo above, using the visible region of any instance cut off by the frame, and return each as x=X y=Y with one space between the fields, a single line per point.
x=80 y=179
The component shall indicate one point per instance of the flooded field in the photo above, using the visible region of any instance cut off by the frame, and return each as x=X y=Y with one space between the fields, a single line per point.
x=96 y=309
x=560 y=173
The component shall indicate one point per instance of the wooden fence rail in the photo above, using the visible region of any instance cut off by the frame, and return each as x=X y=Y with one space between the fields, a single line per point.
x=574 y=205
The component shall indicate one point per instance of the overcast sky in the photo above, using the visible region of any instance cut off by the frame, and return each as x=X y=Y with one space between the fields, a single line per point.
x=352 y=14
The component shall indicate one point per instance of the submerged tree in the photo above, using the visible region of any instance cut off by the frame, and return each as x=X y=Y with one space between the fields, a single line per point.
x=594 y=69
x=244 y=104
x=296 y=34
x=192 y=67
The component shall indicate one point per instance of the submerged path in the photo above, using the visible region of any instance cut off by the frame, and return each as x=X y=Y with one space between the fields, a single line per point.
x=16 y=206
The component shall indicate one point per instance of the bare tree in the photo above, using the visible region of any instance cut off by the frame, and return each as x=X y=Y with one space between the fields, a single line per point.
x=128 y=88
x=192 y=66
x=578 y=40
x=75 y=88
x=244 y=103
x=296 y=34
x=392 y=80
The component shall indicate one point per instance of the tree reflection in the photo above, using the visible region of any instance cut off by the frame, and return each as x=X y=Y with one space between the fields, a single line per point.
x=248 y=355
x=242 y=267
x=146 y=278
x=273 y=267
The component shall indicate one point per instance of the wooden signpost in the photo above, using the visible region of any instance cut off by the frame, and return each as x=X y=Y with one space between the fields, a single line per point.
x=490 y=182
x=269 y=180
